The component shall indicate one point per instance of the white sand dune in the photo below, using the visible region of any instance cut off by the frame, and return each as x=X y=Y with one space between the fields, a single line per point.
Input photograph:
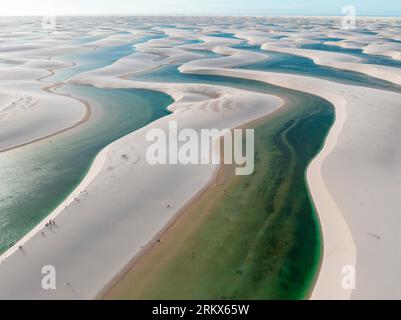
x=256 y=37
x=392 y=50
x=346 y=44
x=32 y=113
x=342 y=61
x=232 y=58
x=117 y=40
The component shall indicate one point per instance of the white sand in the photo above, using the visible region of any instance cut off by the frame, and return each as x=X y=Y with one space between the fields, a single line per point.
x=31 y=113
x=342 y=61
x=392 y=50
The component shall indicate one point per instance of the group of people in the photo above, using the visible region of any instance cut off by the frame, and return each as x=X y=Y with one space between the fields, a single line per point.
x=51 y=223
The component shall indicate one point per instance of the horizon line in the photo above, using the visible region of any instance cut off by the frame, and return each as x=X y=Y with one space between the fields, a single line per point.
x=193 y=15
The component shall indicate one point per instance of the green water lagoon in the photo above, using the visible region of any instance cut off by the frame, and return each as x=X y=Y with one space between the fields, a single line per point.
x=36 y=178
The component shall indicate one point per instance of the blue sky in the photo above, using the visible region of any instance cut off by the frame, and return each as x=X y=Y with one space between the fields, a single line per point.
x=219 y=7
